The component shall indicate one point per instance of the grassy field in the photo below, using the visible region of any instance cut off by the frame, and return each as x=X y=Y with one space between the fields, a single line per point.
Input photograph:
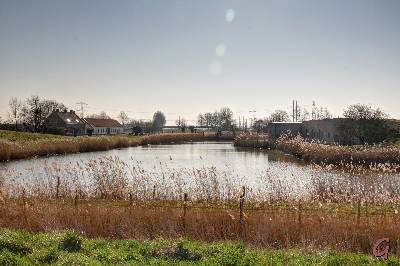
x=27 y=136
x=69 y=248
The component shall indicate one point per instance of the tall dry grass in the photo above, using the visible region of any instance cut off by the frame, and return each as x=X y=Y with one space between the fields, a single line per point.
x=11 y=150
x=373 y=156
x=253 y=140
x=384 y=158
x=43 y=147
x=111 y=198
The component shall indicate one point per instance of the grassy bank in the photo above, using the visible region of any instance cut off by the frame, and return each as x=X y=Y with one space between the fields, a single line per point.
x=69 y=248
x=337 y=227
x=20 y=145
x=375 y=157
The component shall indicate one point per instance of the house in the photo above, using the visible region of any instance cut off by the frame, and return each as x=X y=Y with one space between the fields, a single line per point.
x=325 y=130
x=64 y=123
x=96 y=126
x=329 y=131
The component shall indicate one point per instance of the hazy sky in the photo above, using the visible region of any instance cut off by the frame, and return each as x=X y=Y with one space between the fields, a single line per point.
x=186 y=57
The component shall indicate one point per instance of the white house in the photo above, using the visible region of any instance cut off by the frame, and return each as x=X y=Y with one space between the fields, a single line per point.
x=95 y=126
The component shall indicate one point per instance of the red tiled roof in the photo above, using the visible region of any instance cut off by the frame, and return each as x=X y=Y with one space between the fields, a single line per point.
x=95 y=122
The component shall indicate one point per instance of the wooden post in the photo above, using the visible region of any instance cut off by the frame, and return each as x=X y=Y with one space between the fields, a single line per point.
x=185 y=199
x=58 y=187
x=299 y=214
x=358 y=212
x=130 y=199
x=76 y=200
x=241 y=205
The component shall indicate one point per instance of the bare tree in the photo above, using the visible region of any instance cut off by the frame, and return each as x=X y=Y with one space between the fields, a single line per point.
x=101 y=115
x=15 y=109
x=279 y=116
x=364 y=111
x=321 y=113
x=222 y=119
x=303 y=114
x=123 y=117
x=368 y=124
x=181 y=122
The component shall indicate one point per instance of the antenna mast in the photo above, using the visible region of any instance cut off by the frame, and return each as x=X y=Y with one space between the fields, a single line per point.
x=81 y=109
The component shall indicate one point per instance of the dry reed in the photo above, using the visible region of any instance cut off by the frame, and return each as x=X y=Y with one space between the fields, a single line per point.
x=11 y=150
x=111 y=198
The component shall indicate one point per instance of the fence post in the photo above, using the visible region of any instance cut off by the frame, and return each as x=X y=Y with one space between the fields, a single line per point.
x=358 y=212
x=58 y=187
x=130 y=199
x=76 y=200
x=299 y=214
x=241 y=205
x=154 y=192
x=185 y=199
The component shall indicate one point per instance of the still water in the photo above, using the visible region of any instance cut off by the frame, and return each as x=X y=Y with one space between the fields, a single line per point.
x=264 y=171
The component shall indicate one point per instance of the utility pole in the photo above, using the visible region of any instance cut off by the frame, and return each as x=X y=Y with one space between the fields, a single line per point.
x=313 y=115
x=297 y=112
x=293 y=111
x=81 y=109
x=254 y=116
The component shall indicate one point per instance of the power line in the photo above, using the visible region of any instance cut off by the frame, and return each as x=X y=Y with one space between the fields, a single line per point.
x=82 y=104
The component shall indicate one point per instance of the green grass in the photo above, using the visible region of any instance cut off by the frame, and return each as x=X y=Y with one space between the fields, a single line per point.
x=69 y=248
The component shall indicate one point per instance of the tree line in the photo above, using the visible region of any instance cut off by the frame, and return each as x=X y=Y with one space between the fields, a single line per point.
x=370 y=125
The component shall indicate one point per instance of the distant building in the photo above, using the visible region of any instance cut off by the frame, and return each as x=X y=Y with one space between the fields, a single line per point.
x=326 y=130
x=64 y=123
x=276 y=129
x=172 y=129
x=95 y=126
x=190 y=129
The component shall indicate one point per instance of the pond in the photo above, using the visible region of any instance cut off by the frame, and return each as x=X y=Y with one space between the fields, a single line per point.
x=185 y=167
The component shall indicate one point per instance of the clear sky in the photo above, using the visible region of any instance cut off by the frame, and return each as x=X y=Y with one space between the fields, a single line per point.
x=186 y=57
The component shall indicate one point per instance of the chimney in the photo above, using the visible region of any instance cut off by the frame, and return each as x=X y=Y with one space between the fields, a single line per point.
x=71 y=111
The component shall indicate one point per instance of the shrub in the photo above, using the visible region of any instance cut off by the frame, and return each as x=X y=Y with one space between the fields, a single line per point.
x=72 y=242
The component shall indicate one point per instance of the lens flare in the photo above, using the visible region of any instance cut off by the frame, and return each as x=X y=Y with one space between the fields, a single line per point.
x=230 y=15
x=220 y=50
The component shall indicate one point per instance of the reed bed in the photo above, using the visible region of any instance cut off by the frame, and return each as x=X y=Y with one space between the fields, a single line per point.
x=253 y=140
x=385 y=157
x=183 y=137
x=26 y=146
x=44 y=147
x=112 y=198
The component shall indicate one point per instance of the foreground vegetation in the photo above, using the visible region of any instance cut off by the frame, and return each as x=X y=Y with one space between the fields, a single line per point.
x=21 y=145
x=111 y=198
x=69 y=248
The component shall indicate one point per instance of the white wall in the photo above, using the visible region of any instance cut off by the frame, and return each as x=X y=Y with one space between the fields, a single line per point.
x=103 y=130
